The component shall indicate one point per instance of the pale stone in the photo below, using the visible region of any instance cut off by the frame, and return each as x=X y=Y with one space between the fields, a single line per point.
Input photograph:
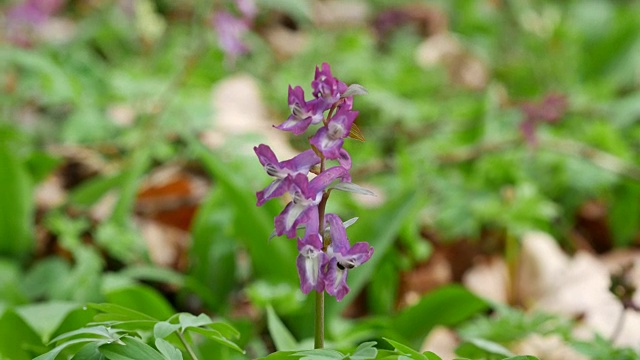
x=239 y=110
x=442 y=342
x=488 y=279
x=550 y=347
x=541 y=261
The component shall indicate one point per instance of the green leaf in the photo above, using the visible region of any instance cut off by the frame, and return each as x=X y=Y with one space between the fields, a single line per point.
x=282 y=338
x=51 y=355
x=320 y=354
x=45 y=318
x=89 y=352
x=522 y=357
x=169 y=351
x=103 y=332
x=225 y=329
x=406 y=350
x=189 y=320
x=16 y=205
x=143 y=299
x=447 y=305
x=119 y=312
x=217 y=337
x=163 y=329
x=90 y=191
x=133 y=349
x=431 y=356
x=365 y=351
x=475 y=348
x=281 y=355
x=44 y=276
x=16 y=336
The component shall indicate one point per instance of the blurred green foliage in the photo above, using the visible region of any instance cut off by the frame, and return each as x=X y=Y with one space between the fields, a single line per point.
x=446 y=157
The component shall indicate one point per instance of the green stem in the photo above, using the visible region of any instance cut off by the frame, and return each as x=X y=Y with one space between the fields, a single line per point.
x=319 y=323
x=512 y=252
x=319 y=319
x=192 y=355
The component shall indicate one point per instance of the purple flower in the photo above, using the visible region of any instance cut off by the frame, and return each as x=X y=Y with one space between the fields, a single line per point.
x=311 y=260
x=247 y=8
x=303 y=113
x=300 y=164
x=24 y=18
x=326 y=87
x=329 y=139
x=230 y=32
x=306 y=194
x=342 y=257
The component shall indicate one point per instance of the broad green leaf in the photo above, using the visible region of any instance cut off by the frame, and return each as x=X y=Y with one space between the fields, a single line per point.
x=217 y=337
x=16 y=204
x=406 y=350
x=119 y=312
x=522 y=357
x=281 y=355
x=142 y=299
x=51 y=355
x=44 y=276
x=16 y=336
x=131 y=349
x=474 y=348
x=90 y=191
x=225 y=329
x=45 y=318
x=163 y=329
x=447 y=305
x=189 y=320
x=365 y=351
x=320 y=354
x=282 y=337
x=89 y=352
x=169 y=351
x=431 y=356
x=98 y=332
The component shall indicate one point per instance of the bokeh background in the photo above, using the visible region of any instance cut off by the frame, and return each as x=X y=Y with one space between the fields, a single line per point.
x=502 y=142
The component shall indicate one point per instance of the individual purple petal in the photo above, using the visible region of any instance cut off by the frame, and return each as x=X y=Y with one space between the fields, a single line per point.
x=300 y=164
x=344 y=159
x=265 y=155
x=294 y=215
x=326 y=87
x=310 y=262
x=329 y=139
x=325 y=178
x=276 y=189
x=335 y=280
x=343 y=257
x=303 y=113
x=301 y=210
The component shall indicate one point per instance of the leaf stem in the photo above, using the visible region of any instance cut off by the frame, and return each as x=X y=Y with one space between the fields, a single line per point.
x=192 y=355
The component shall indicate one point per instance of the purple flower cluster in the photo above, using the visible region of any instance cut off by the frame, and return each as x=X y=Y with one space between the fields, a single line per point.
x=231 y=28
x=325 y=253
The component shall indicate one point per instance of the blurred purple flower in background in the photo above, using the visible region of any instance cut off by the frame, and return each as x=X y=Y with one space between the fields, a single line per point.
x=24 y=19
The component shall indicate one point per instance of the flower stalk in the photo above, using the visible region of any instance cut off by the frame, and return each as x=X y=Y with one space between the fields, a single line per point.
x=325 y=252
